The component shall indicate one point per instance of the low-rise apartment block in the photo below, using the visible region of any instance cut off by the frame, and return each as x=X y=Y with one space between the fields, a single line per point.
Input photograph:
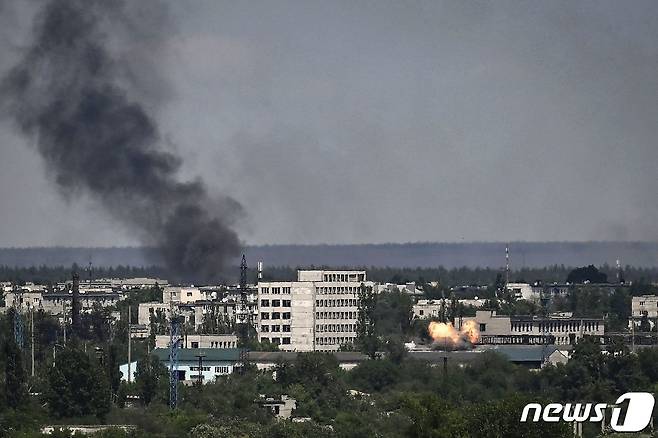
x=644 y=307
x=564 y=328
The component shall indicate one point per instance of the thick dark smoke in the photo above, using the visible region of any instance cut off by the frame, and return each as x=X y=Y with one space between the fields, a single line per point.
x=69 y=94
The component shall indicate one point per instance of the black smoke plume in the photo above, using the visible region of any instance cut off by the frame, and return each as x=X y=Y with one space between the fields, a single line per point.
x=69 y=94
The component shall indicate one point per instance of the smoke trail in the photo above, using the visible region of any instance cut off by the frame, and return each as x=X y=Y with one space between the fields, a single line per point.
x=70 y=94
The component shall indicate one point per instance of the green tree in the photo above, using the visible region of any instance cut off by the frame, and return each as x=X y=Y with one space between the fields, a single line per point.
x=112 y=367
x=392 y=313
x=375 y=375
x=230 y=427
x=432 y=417
x=315 y=378
x=620 y=309
x=500 y=419
x=15 y=388
x=587 y=274
x=394 y=348
x=76 y=386
x=150 y=376
x=366 y=334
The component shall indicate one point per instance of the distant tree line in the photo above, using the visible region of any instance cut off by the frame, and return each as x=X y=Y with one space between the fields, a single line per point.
x=465 y=276
x=454 y=277
x=56 y=274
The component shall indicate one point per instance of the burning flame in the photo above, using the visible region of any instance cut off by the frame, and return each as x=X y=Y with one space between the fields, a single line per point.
x=469 y=329
x=446 y=336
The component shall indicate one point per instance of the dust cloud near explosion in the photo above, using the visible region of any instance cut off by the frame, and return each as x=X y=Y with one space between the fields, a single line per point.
x=447 y=337
x=84 y=108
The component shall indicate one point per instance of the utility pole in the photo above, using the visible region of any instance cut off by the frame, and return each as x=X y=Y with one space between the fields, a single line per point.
x=32 y=337
x=200 y=356
x=506 y=265
x=174 y=341
x=129 y=358
x=64 y=312
x=632 y=335
x=76 y=307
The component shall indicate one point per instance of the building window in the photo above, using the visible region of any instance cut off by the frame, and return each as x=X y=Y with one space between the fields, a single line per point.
x=276 y=328
x=286 y=290
x=264 y=315
x=265 y=290
x=265 y=303
x=483 y=327
x=286 y=341
x=222 y=370
x=195 y=345
x=276 y=315
x=276 y=341
x=286 y=328
x=276 y=290
x=286 y=315
x=276 y=303
x=265 y=328
x=286 y=303
x=264 y=339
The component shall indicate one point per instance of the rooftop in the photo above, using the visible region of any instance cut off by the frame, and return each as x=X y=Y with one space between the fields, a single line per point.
x=209 y=354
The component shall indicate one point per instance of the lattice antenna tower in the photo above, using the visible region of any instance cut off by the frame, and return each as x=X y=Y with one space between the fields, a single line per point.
x=174 y=345
x=245 y=314
x=506 y=265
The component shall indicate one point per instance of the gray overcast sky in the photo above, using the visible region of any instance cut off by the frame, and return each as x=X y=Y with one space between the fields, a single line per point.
x=373 y=121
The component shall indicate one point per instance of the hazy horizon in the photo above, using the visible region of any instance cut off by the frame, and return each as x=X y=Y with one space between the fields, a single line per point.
x=418 y=242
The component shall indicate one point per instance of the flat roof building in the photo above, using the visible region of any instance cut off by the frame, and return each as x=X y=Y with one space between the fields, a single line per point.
x=318 y=312
x=215 y=362
x=644 y=306
x=564 y=329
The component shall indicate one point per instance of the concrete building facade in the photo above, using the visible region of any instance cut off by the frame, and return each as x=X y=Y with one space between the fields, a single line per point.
x=564 y=328
x=200 y=341
x=60 y=302
x=525 y=291
x=644 y=306
x=316 y=312
x=215 y=362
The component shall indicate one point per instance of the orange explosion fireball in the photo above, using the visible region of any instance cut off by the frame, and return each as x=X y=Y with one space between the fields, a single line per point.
x=469 y=329
x=446 y=336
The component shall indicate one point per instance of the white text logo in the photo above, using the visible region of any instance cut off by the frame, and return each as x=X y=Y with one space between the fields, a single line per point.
x=638 y=414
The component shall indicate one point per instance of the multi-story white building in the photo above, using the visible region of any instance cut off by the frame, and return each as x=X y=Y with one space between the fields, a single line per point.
x=525 y=291
x=538 y=290
x=426 y=309
x=183 y=295
x=195 y=305
x=644 y=306
x=564 y=328
x=316 y=312
x=59 y=302
x=407 y=288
